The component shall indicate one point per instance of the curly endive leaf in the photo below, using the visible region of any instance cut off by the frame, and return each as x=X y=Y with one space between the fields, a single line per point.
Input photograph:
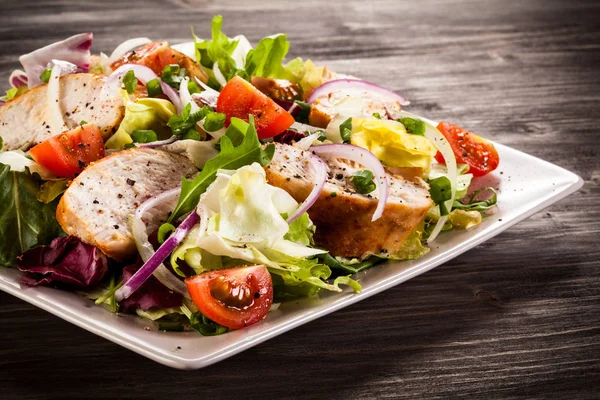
x=24 y=221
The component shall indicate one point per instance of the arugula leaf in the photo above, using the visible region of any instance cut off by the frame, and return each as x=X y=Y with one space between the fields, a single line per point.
x=130 y=82
x=346 y=130
x=363 y=181
x=478 y=205
x=302 y=116
x=239 y=146
x=413 y=126
x=440 y=191
x=334 y=264
x=266 y=60
x=24 y=221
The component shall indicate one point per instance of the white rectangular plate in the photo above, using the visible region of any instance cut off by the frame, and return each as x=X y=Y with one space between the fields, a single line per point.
x=527 y=185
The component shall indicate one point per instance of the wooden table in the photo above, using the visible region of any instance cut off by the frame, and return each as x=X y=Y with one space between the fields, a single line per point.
x=517 y=317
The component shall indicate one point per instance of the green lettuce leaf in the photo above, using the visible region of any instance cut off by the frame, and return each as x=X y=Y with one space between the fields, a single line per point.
x=50 y=190
x=144 y=114
x=24 y=221
x=301 y=230
x=239 y=146
x=266 y=60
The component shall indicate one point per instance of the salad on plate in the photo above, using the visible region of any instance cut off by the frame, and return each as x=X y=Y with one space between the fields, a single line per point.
x=201 y=184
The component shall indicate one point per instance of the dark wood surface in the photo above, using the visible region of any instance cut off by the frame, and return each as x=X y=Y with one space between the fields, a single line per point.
x=517 y=317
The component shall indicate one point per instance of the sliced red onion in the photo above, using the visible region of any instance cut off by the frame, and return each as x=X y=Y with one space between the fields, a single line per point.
x=158 y=143
x=126 y=47
x=17 y=78
x=365 y=158
x=153 y=260
x=75 y=49
x=354 y=87
x=145 y=75
x=65 y=67
x=320 y=170
x=208 y=96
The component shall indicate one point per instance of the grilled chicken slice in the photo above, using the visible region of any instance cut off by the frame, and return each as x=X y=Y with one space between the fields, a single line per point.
x=24 y=121
x=326 y=107
x=97 y=205
x=343 y=219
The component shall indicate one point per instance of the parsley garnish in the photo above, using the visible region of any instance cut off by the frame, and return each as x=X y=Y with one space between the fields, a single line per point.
x=363 y=181
x=413 y=126
x=346 y=130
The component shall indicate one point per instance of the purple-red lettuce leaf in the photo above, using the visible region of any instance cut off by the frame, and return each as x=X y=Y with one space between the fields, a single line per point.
x=66 y=262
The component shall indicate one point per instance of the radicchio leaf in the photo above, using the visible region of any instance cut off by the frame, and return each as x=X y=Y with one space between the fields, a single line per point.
x=151 y=294
x=66 y=262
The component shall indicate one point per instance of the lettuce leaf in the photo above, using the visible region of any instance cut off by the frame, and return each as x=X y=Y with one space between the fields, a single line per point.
x=24 y=221
x=266 y=60
x=140 y=115
x=301 y=230
x=239 y=146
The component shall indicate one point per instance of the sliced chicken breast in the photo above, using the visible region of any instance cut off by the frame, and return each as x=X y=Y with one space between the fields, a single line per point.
x=24 y=121
x=97 y=205
x=342 y=216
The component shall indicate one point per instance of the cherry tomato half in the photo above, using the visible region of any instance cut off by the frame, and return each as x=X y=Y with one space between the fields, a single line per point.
x=67 y=154
x=470 y=149
x=234 y=297
x=239 y=98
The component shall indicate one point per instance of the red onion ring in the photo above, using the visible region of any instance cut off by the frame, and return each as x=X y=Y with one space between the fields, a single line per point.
x=320 y=169
x=363 y=157
x=153 y=260
x=145 y=75
x=17 y=78
x=354 y=87
x=158 y=143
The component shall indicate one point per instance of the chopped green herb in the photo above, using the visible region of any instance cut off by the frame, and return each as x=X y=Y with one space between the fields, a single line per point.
x=45 y=76
x=413 y=126
x=321 y=133
x=193 y=87
x=192 y=134
x=13 y=92
x=172 y=75
x=346 y=130
x=302 y=115
x=144 y=136
x=363 y=181
x=154 y=88
x=130 y=81
x=180 y=125
x=440 y=190
x=377 y=115
x=214 y=121
x=83 y=122
x=333 y=194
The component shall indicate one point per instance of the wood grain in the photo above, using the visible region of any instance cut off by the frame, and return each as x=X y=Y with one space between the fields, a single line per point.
x=517 y=317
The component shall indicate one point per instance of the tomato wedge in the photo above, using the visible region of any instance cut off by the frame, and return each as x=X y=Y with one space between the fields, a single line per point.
x=479 y=154
x=67 y=154
x=239 y=98
x=234 y=297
